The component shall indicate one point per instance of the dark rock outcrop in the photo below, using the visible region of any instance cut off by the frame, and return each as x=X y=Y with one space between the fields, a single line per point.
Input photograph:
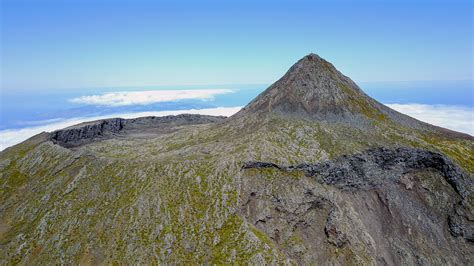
x=333 y=233
x=461 y=222
x=82 y=134
x=249 y=165
x=377 y=168
x=104 y=129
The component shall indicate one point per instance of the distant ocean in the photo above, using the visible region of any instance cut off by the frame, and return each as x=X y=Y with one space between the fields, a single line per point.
x=445 y=103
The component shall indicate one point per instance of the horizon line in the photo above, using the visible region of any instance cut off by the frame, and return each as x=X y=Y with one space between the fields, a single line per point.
x=219 y=84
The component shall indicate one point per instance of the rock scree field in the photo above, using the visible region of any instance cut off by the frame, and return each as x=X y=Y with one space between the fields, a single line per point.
x=312 y=171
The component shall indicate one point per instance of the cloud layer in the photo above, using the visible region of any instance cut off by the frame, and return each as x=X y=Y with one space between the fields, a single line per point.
x=456 y=118
x=14 y=136
x=148 y=97
x=452 y=117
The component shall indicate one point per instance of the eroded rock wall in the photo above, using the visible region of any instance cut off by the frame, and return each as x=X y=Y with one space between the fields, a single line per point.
x=386 y=206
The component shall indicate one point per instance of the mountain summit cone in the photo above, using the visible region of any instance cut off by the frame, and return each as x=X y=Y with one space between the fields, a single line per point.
x=314 y=87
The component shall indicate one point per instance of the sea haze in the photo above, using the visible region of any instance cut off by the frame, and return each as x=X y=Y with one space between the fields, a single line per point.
x=444 y=103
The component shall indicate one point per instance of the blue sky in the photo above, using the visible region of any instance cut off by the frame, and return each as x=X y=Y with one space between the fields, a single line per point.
x=56 y=45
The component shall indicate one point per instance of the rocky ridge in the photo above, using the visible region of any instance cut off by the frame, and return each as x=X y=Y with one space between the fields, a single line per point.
x=375 y=167
x=115 y=127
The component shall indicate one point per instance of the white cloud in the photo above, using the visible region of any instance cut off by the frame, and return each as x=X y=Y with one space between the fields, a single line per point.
x=452 y=117
x=148 y=97
x=11 y=137
x=456 y=118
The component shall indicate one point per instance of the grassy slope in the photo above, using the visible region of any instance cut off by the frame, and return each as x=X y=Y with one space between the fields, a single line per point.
x=172 y=198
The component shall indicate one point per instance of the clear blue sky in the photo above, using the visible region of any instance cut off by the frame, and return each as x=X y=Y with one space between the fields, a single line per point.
x=48 y=45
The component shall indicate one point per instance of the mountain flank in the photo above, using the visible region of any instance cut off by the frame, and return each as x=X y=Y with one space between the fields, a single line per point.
x=312 y=171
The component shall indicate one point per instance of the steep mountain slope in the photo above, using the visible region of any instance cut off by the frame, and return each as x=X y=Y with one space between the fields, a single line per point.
x=311 y=171
x=314 y=89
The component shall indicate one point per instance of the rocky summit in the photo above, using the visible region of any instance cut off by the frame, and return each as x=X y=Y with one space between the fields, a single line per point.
x=312 y=171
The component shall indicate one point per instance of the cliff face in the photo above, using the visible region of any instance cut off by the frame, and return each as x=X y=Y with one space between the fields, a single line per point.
x=394 y=190
x=116 y=127
x=312 y=171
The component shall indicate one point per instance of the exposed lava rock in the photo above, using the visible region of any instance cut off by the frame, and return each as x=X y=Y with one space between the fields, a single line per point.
x=248 y=165
x=376 y=168
x=104 y=129
x=460 y=224
x=82 y=134
x=334 y=235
